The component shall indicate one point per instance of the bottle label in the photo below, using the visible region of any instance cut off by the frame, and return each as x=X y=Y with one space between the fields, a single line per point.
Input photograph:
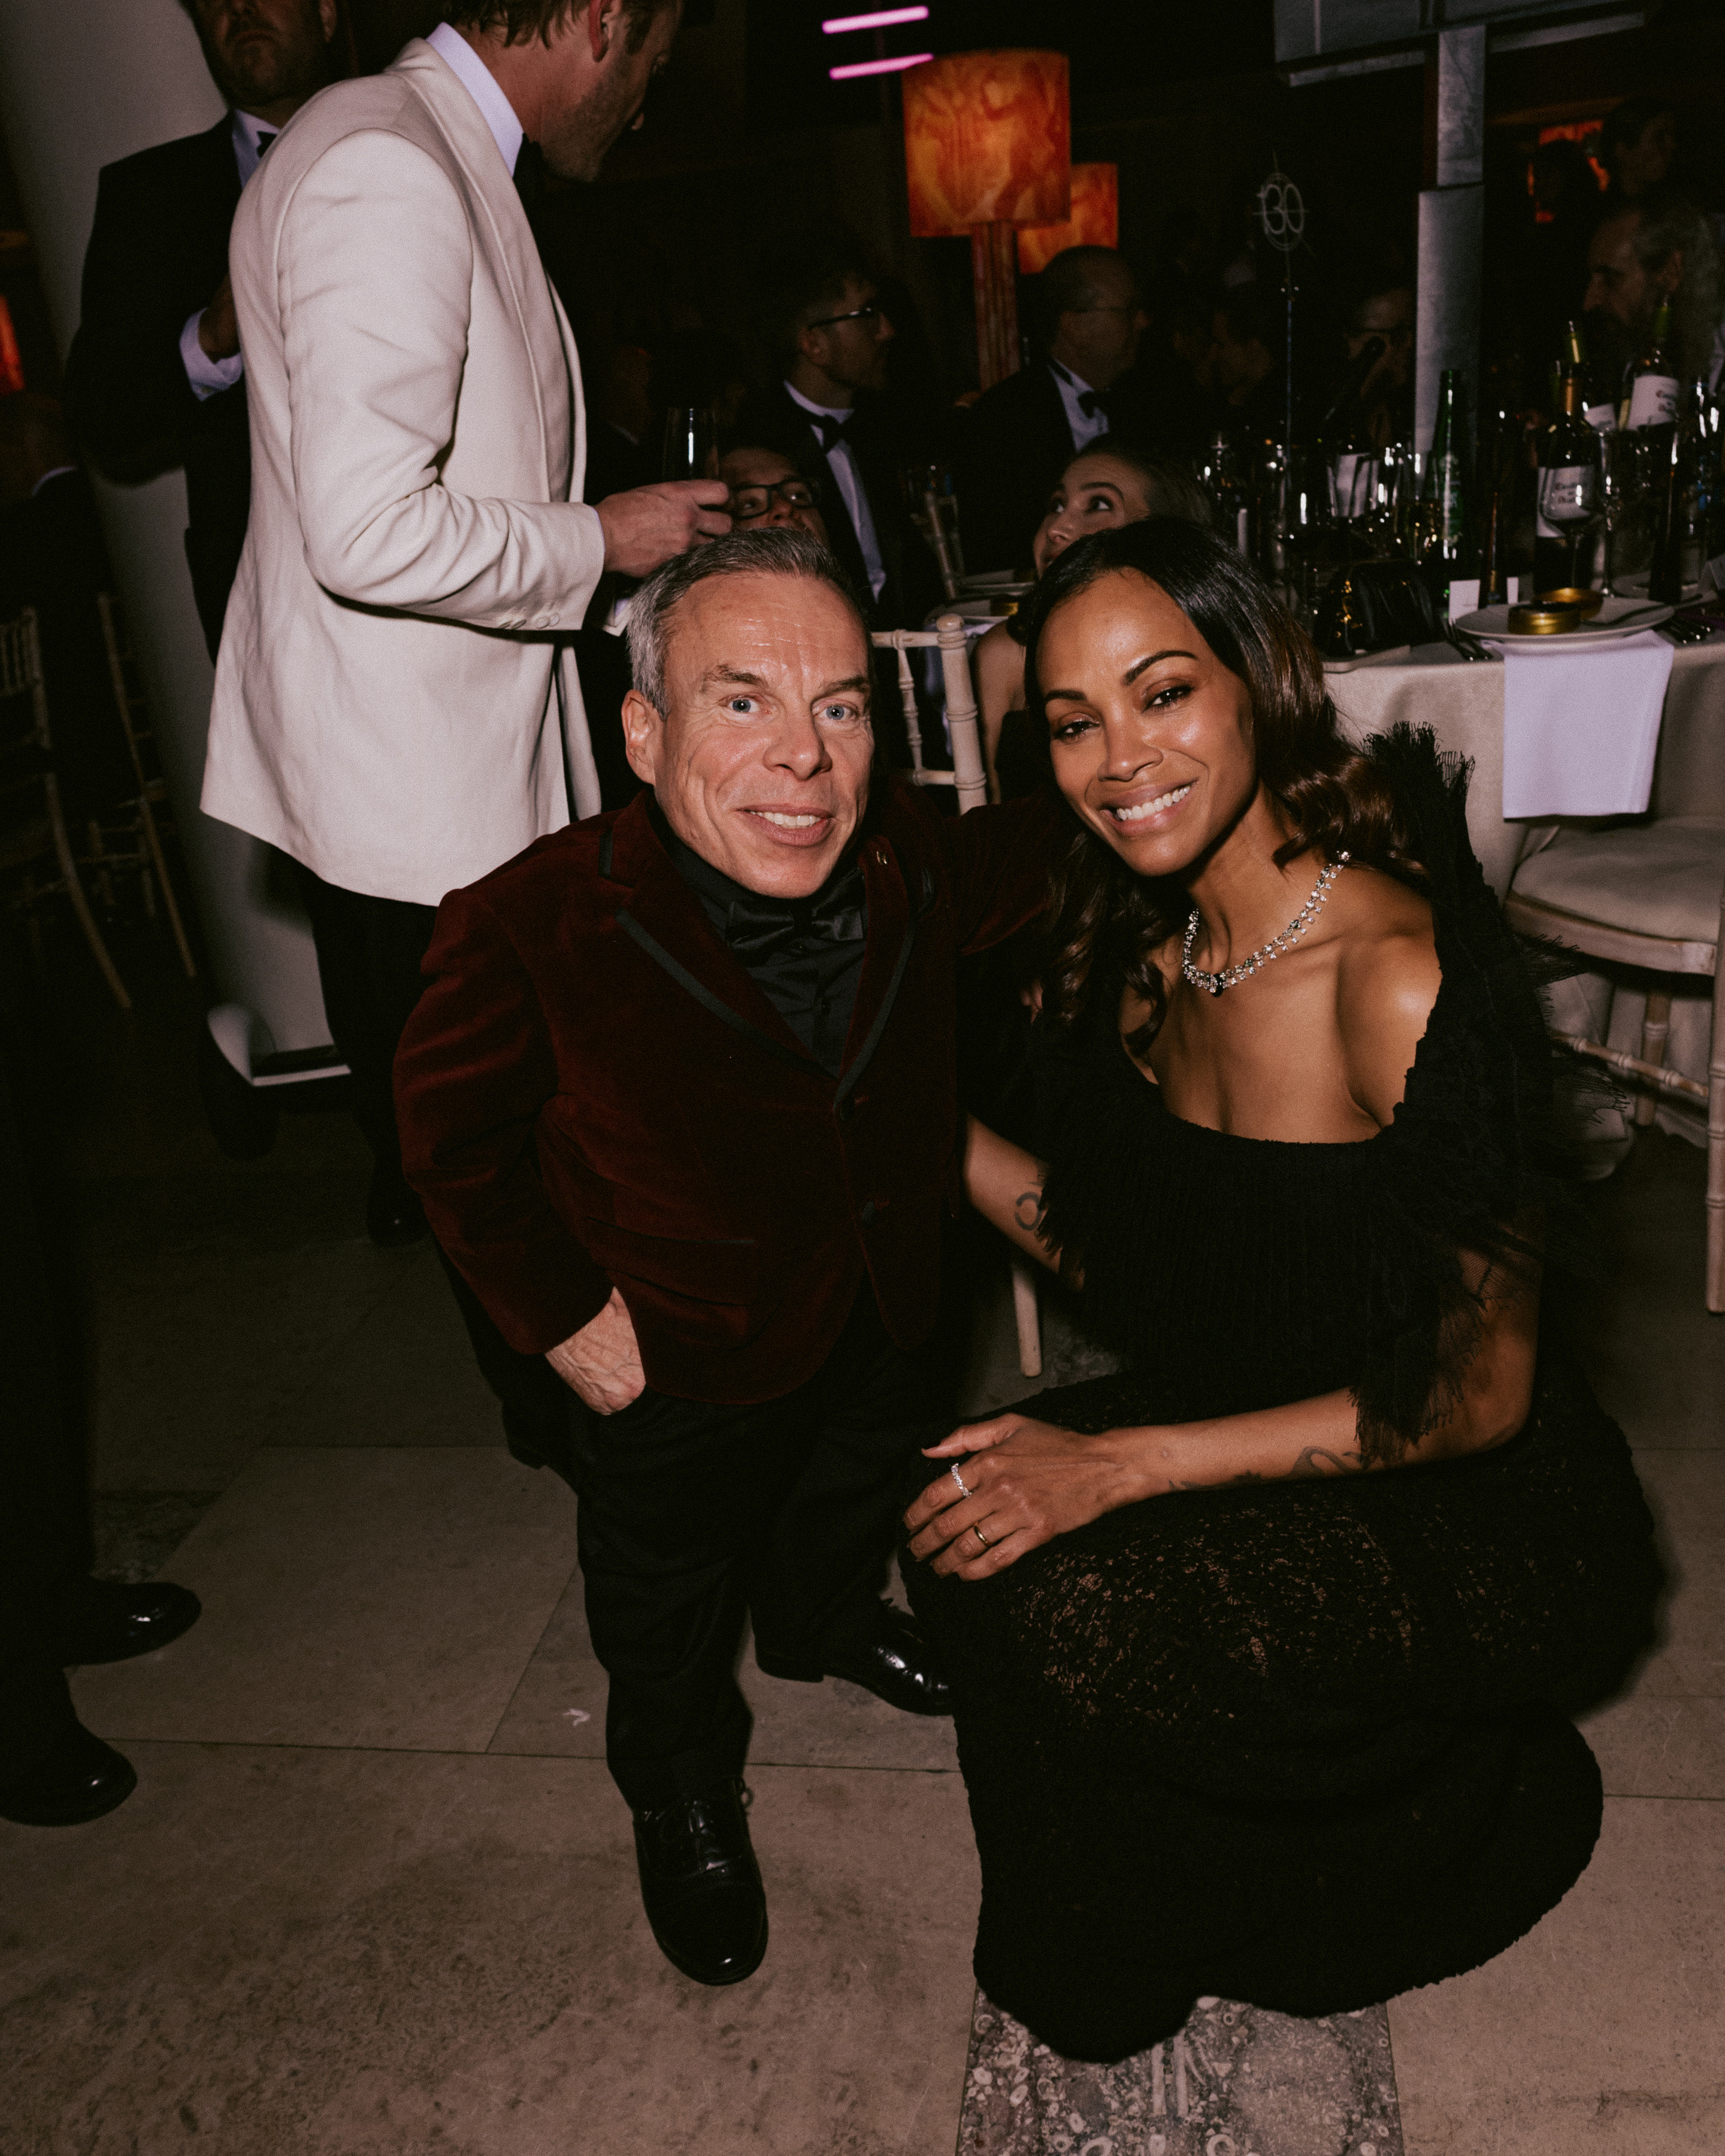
x=1446 y=489
x=1567 y=492
x=1653 y=400
x=1602 y=417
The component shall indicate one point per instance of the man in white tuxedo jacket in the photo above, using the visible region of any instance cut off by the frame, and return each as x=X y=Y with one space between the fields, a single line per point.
x=394 y=708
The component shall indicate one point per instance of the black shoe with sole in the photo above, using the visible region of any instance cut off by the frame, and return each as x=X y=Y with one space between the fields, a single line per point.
x=702 y=1886
x=81 y=1779
x=891 y=1659
x=394 y=1217
x=103 y=1621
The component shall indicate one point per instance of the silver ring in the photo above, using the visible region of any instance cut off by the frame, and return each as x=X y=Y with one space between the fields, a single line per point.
x=964 y=1489
x=980 y=1536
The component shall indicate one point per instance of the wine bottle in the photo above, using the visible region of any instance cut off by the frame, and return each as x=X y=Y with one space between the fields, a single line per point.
x=1451 y=543
x=1597 y=406
x=1649 y=385
x=1568 y=495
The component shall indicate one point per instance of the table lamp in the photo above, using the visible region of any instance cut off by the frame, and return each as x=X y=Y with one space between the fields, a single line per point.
x=988 y=147
x=1094 y=222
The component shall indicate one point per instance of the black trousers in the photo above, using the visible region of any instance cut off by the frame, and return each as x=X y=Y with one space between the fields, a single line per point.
x=694 y=1515
x=369 y=953
x=44 y=1508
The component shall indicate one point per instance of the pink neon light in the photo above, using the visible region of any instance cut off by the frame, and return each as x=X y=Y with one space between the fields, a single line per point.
x=878 y=66
x=883 y=19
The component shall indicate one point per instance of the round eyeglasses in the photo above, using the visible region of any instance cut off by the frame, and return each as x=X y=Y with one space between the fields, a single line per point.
x=749 y=502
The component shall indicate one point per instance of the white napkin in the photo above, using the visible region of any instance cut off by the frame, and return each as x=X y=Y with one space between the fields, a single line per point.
x=1581 y=727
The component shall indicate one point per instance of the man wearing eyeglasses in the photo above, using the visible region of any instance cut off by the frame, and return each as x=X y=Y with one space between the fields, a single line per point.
x=768 y=491
x=1023 y=432
x=825 y=321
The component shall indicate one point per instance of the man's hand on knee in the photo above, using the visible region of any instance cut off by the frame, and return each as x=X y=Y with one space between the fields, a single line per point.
x=601 y=1363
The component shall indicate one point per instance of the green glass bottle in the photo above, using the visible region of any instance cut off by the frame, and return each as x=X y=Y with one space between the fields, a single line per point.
x=1451 y=539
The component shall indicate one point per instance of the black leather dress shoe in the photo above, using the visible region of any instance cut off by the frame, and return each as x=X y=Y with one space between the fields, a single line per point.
x=891 y=1660
x=701 y=1885
x=81 y=1779
x=394 y=1217
x=102 y=1620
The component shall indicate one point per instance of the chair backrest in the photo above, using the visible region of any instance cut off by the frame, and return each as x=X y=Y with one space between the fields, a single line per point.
x=25 y=738
x=948 y=638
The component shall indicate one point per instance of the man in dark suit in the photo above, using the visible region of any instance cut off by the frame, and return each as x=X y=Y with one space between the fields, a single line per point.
x=829 y=333
x=680 y=1100
x=155 y=377
x=1022 y=432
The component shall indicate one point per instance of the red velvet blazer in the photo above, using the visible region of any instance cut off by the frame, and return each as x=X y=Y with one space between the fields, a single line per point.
x=593 y=1092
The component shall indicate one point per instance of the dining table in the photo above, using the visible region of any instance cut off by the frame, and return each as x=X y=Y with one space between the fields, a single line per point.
x=1462 y=701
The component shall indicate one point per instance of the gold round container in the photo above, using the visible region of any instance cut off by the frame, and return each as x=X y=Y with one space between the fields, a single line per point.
x=1587 y=604
x=1543 y=619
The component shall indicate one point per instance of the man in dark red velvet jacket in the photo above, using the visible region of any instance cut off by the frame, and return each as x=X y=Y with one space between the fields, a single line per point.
x=680 y=1101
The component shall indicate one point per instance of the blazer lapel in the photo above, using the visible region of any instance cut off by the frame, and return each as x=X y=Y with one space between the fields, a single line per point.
x=892 y=930
x=463 y=127
x=666 y=921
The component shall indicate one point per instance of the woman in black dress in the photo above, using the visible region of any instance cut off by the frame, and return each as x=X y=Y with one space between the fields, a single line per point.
x=1263 y=1651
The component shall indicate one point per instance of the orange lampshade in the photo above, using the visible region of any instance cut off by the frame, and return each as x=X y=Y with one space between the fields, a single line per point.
x=1095 y=221
x=987 y=139
x=12 y=365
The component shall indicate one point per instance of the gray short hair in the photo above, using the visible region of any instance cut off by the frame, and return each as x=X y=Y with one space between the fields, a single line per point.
x=778 y=551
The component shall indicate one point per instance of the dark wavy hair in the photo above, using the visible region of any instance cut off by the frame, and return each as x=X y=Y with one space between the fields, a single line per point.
x=1106 y=922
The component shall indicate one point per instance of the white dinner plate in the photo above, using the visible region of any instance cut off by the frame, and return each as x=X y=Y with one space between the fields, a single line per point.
x=1616 y=618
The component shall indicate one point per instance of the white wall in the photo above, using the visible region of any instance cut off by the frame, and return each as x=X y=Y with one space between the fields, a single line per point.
x=82 y=83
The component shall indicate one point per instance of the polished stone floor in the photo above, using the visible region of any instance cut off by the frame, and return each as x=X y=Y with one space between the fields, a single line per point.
x=375 y=1892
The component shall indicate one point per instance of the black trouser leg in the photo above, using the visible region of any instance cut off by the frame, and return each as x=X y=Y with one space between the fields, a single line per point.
x=44 y=1505
x=369 y=953
x=693 y=1514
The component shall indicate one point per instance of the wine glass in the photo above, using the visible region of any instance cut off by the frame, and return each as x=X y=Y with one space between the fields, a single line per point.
x=691 y=442
x=1570 y=502
x=1625 y=491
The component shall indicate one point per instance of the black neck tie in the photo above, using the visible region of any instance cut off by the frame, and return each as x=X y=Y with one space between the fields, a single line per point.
x=530 y=177
x=263 y=142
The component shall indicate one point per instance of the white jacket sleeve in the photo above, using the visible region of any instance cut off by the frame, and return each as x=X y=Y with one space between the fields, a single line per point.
x=373 y=270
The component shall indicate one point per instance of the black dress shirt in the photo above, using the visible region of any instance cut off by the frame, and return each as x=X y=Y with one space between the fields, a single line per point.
x=805 y=954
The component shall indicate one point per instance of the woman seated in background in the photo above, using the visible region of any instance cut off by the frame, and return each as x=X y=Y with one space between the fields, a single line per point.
x=1263 y=1651
x=1105 y=485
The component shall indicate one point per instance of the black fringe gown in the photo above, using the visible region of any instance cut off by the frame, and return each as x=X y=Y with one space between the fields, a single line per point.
x=1300 y=1743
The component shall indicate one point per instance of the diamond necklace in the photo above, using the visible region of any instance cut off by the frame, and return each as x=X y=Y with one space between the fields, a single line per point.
x=1214 y=983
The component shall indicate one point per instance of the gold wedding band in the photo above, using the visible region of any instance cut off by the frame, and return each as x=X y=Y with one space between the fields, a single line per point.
x=980 y=1536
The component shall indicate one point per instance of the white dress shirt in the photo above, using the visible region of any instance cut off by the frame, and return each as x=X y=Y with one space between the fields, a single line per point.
x=481 y=85
x=842 y=464
x=207 y=375
x=1085 y=426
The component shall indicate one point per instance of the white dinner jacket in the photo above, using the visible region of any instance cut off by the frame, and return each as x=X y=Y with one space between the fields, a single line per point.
x=389 y=707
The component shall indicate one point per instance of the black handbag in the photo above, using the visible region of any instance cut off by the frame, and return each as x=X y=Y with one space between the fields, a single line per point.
x=1371 y=606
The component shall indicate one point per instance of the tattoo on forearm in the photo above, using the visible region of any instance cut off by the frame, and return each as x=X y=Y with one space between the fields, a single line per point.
x=1029 y=1210
x=1315 y=1460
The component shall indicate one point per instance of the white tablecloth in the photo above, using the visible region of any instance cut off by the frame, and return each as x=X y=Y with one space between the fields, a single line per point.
x=1463 y=705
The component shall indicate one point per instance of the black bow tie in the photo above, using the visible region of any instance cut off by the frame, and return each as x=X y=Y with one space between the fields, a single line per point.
x=757 y=929
x=529 y=176
x=263 y=142
x=833 y=431
x=1092 y=401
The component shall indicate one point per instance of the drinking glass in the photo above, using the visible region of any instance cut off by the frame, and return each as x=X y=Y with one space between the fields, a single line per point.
x=1569 y=501
x=1627 y=501
x=691 y=442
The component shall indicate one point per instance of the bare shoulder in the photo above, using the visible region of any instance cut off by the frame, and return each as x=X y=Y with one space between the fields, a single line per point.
x=1000 y=663
x=1387 y=981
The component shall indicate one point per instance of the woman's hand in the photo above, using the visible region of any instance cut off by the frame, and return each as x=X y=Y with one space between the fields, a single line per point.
x=1029 y=1482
